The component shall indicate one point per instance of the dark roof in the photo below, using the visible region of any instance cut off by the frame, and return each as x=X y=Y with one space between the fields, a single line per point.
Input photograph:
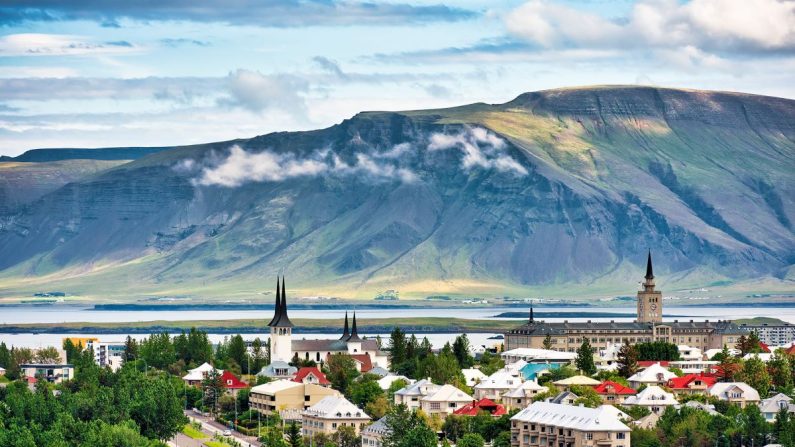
x=276 y=309
x=354 y=332
x=281 y=319
x=345 y=333
x=543 y=328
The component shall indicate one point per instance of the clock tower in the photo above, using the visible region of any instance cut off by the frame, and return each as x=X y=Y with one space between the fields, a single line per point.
x=649 y=300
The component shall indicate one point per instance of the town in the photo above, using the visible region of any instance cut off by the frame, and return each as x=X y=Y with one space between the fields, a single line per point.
x=645 y=383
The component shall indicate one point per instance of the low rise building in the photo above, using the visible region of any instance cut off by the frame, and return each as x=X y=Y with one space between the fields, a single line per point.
x=483 y=405
x=655 y=374
x=444 y=401
x=412 y=395
x=691 y=383
x=549 y=424
x=232 y=383
x=386 y=382
x=738 y=393
x=565 y=384
x=331 y=413
x=694 y=366
x=613 y=393
x=653 y=398
x=278 y=369
x=772 y=405
x=373 y=435
x=197 y=375
x=51 y=372
x=522 y=396
x=311 y=374
x=281 y=395
x=495 y=385
x=537 y=355
x=472 y=376
x=109 y=353
x=564 y=398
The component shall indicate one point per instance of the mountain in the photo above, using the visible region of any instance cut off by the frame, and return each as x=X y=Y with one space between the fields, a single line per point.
x=556 y=192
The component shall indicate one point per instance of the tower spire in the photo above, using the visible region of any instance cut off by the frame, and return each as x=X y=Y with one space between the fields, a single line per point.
x=281 y=319
x=531 y=312
x=277 y=307
x=649 y=270
x=354 y=331
x=346 y=333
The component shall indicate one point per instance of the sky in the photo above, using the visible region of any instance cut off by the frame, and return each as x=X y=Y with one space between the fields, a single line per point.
x=104 y=73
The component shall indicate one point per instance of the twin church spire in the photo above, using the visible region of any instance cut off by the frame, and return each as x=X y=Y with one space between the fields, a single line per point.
x=353 y=334
x=281 y=320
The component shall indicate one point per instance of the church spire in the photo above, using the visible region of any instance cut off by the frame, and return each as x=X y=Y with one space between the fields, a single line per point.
x=278 y=305
x=281 y=319
x=649 y=270
x=531 y=313
x=346 y=333
x=354 y=331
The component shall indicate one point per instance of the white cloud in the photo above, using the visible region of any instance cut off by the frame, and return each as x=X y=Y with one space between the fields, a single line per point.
x=36 y=44
x=257 y=92
x=480 y=148
x=710 y=25
x=242 y=166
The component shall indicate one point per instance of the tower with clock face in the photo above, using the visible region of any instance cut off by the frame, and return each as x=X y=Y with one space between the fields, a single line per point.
x=649 y=300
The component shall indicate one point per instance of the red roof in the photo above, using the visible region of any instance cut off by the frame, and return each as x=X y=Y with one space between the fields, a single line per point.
x=680 y=383
x=790 y=350
x=608 y=387
x=364 y=359
x=647 y=363
x=487 y=405
x=765 y=348
x=231 y=382
x=313 y=370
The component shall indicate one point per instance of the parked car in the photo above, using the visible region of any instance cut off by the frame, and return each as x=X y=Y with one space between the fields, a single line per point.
x=227 y=432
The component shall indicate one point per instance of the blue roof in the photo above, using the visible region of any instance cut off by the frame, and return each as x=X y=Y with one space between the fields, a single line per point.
x=531 y=370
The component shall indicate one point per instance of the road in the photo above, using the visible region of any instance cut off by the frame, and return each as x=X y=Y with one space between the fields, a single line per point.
x=210 y=427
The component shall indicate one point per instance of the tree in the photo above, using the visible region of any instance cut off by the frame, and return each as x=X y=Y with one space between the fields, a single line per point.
x=237 y=349
x=471 y=440
x=754 y=373
x=397 y=346
x=584 y=359
x=461 y=351
x=365 y=390
x=455 y=427
x=490 y=363
x=156 y=408
x=158 y=351
x=48 y=355
x=727 y=367
x=130 y=349
x=378 y=407
x=627 y=360
x=342 y=371
x=755 y=427
x=547 y=344
x=586 y=396
x=257 y=355
x=407 y=429
x=783 y=429
x=294 y=435
x=657 y=350
x=346 y=437
x=780 y=370
x=213 y=389
x=742 y=345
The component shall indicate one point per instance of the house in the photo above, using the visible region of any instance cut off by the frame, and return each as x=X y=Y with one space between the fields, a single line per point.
x=613 y=393
x=654 y=374
x=282 y=395
x=545 y=423
x=51 y=372
x=373 y=434
x=691 y=383
x=771 y=406
x=495 y=385
x=647 y=422
x=472 y=376
x=484 y=405
x=522 y=395
x=362 y=362
x=444 y=401
x=514 y=368
x=532 y=371
x=689 y=353
x=411 y=395
x=379 y=371
x=278 y=369
x=564 y=398
x=710 y=353
x=567 y=383
x=386 y=382
x=694 y=366
x=765 y=357
x=652 y=397
x=738 y=393
x=709 y=408
x=331 y=413
x=311 y=374
x=232 y=383
x=2 y=371
x=196 y=376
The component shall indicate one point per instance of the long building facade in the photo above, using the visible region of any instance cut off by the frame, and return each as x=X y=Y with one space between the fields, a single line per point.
x=649 y=326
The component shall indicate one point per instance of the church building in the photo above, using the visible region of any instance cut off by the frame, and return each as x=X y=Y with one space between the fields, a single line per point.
x=649 y=326
x=283 y=347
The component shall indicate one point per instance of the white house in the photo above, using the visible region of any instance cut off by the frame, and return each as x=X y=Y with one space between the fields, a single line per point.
x=445 y=401
x=739 y=393
x=411 y=395
x=386 y=381
x=690 y=353
x=652 y=375
x=473 y=376
x=522 y=395
x=495 y=385
x=331 y=413
x=652 y=397
x=771 y=406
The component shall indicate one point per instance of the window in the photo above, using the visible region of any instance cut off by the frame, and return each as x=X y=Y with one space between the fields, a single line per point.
x=589 y=436
x=621 y=435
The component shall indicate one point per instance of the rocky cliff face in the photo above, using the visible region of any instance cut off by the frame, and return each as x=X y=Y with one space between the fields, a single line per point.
x=554 y=188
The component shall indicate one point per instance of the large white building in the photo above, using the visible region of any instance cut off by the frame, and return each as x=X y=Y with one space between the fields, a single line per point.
x=550 y=424
x=284 y=348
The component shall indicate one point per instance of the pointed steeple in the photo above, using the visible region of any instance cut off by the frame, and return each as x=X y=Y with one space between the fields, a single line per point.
x=346 y=333
x=531 y=313
x=277 y=307
x=649 y=270
x=354 y=332
x=281 y=319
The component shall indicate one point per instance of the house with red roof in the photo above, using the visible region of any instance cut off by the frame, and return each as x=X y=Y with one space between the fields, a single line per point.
x=692 y=383
x=476 y=406
x=646 y=363
x=363 y=362
x=790 y=350
x=232 y=383
x=311 y=374
x=613 y=392
x=765 y=348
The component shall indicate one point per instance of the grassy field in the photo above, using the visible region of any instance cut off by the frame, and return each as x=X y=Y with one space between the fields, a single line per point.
x=192 y=432
x=409 y=324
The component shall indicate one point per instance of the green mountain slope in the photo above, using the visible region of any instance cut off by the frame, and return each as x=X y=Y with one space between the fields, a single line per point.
x=558 y=191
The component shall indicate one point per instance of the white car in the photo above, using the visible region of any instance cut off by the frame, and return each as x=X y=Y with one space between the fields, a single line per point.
x=227 y=432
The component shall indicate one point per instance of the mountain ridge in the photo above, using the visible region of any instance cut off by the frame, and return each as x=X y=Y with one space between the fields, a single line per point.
x=552 y=189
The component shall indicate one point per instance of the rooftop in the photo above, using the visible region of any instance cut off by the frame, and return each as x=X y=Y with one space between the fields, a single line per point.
x=570 y=416
x=335 y=407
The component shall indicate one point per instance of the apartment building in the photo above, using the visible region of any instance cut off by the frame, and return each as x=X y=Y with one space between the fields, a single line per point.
x=283 y=395
x=331 y=413
x=549 y=424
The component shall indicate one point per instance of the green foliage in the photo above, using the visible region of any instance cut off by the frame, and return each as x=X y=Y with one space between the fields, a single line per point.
x=407 y=429
x=293 y=435
x=213 y=390
x=635 y=412
x=365 y=391
x=754 y=373
x=547 y=344
x=584 y=360
x=657 y=350
x=397 y=346
x=490 y=363
x=471 y=440
x=461 y=351
x=158 y=351
x=346 y=436
x=378 y=407
x=627 y=360
x=341 y=372
x=586 y=396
